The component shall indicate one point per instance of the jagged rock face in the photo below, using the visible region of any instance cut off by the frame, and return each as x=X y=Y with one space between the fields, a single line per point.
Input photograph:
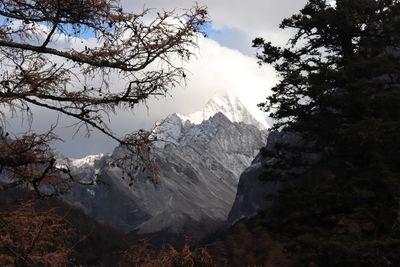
x=257 y=188
x=199 y=166
x=252 y=192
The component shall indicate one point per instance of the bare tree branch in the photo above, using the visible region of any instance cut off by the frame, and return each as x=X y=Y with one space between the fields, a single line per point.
x=36 y=70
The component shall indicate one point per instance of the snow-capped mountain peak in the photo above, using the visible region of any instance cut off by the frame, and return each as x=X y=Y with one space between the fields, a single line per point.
x=87 y=161
x=180 y=129
x=169 y=130
x=229 y=105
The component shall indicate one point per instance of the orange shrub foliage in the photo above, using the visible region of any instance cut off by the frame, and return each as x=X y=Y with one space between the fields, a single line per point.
x=29 y=236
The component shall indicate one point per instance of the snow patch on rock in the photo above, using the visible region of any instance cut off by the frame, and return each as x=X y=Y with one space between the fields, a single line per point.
x=87 y=161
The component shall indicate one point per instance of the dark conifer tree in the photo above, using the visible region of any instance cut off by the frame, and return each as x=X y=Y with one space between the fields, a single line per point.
x=340 y=90
x=340 y=56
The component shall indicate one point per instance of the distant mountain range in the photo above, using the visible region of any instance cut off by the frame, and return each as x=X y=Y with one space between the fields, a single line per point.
x=200 y=157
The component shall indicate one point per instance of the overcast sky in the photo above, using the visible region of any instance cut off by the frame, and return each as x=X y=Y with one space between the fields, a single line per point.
x=224 y=61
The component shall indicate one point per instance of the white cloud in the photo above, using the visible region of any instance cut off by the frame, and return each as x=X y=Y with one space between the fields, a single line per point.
x=220 y=68
x=216 y=68
x=256 y=18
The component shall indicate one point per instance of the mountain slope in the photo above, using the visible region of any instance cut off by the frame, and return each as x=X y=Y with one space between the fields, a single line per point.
x=199 y=169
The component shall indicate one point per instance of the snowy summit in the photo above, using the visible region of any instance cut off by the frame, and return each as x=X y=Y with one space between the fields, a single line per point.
x=229 y=105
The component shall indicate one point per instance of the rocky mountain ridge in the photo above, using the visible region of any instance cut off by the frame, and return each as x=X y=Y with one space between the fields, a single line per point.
x=199 y=165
